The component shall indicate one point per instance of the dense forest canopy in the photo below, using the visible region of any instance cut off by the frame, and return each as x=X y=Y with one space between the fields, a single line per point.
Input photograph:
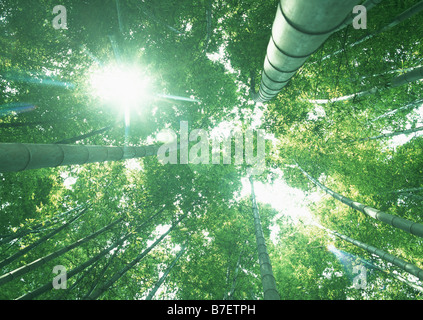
x=336 y=210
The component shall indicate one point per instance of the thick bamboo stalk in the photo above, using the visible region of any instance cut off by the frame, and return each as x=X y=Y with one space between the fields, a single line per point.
x=19 y=156
x=299 y=29
x=397 y=222
x=268 y=280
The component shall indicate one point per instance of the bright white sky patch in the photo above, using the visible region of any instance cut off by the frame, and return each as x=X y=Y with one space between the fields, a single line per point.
x=283 y=198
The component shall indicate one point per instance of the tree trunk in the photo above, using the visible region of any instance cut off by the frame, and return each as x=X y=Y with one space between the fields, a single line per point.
x=267 y=278
x=389 y=135
x=40 y=227
x=163 y=277
x=36 y=263
x=98 y=292
x=408 y=77
x=398 y=19
x=230 y=294
x=19 y=157
x=299 y=29
x=84 y=136
x=413 y=104
x=408 y=267
x=369 y=4
x=408 y=190
x=48 y=286
x=20 y=253
x=397 y=222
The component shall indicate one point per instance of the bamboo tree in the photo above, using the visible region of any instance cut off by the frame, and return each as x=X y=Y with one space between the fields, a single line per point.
x=102 y=288
x=408 y=190
x=42 y=240
x=417 y=8
x=48 y=286
x=397 y=222
x=35 y=229
x=267 y=278
x=408 y=106
x=408 y=77
x=19 y=157
x=84 y=136
x=408 y=267
x=391 y=134
x=166 y=273
x=368 y=4
x=229 y=294
x=9 y=276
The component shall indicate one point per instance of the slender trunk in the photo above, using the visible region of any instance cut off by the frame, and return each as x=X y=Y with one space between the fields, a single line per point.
x=391 y=134
x=408 y=77
x=101 y=275
x=119 y=16
x=19 y=157
x=413 y=104
x=267 y=278
x=230 y=293
x=48 y=286
x=208 y=24
x=398 y=19
x=408 y=267
x=84 y=136
x=9 y=276
x=163 y=277
x=408 y=190
x=98 y=292
x=20 y=253
x=150 y=15
x=40 y=227
x=397 y=222
x=369 y=4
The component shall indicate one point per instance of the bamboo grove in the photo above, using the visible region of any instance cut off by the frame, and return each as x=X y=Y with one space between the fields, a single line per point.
x=82 y=190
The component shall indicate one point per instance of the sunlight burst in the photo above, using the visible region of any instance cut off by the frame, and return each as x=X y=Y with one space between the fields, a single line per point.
x=124 y=87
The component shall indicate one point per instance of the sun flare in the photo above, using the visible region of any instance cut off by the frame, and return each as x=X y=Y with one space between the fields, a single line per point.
x=123 y=87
